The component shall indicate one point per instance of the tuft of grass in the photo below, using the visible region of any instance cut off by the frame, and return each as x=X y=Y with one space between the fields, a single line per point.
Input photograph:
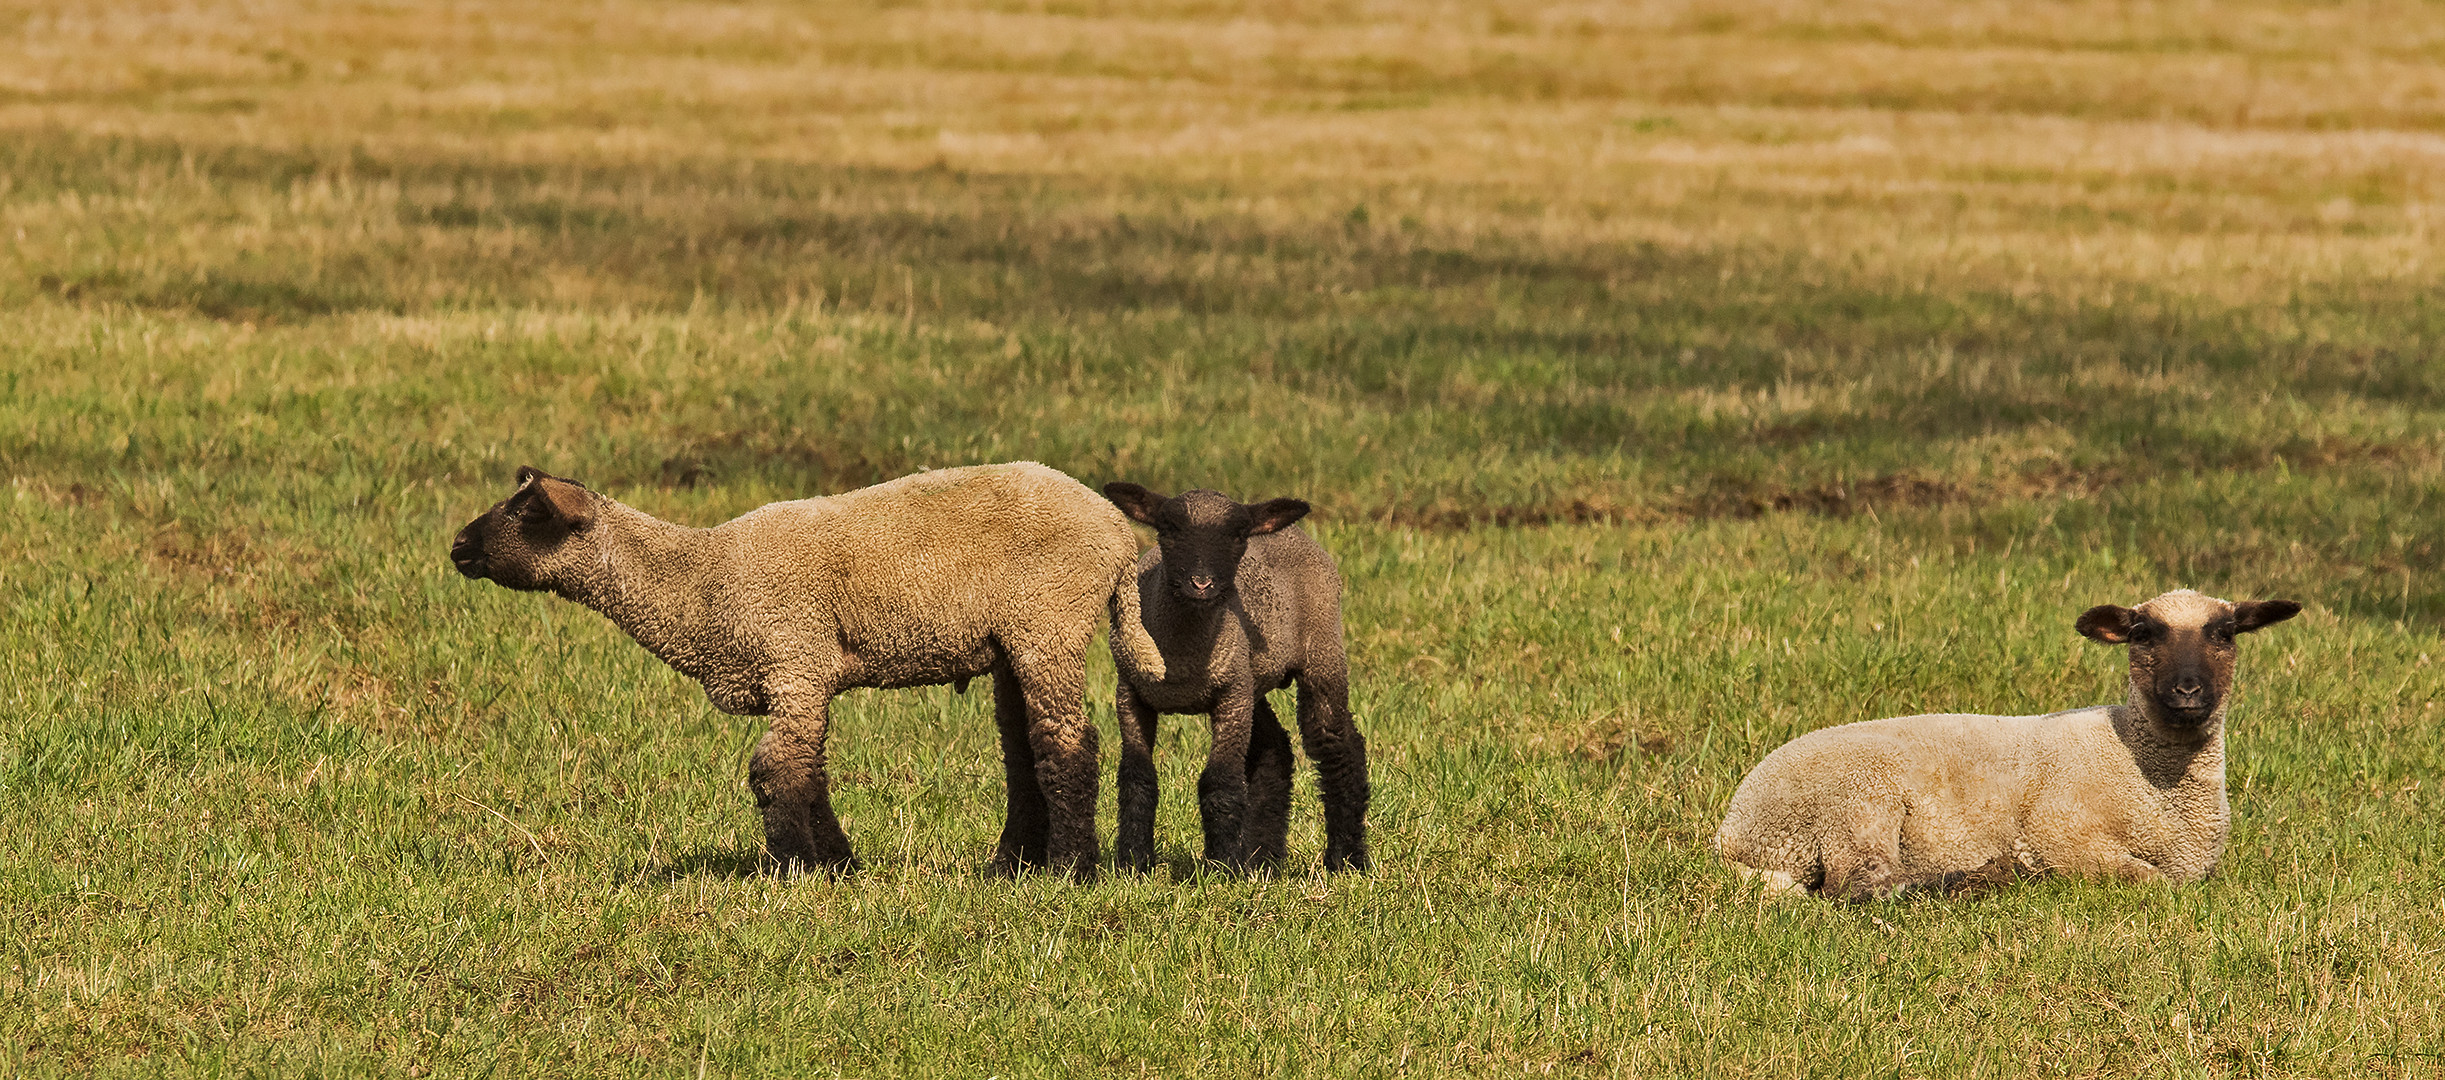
x=1670 y=382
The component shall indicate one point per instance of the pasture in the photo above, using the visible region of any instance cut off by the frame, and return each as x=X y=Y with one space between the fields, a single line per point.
x=1671 y=379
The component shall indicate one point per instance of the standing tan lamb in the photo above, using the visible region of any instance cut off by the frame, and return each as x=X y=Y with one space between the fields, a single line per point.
x=933 y=578
x=2133 y=791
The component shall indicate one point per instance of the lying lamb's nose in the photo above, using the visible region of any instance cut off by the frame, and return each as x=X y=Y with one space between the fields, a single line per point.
x=1200 y=583
x=2188 y=684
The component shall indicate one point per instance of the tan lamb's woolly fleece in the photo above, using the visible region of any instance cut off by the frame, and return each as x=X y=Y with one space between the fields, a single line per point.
x=938 y=577
x=2133 y=791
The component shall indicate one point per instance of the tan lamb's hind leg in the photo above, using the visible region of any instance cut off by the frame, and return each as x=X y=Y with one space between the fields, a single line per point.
x=1053 y=684
x=1025 y=825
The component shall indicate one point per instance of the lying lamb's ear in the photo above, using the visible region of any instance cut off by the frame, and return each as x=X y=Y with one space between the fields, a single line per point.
x=527 y=473
x=568 y=501
x=2109 y=623
x=1273 y=515
x=1135 y=501
x=2250 y=615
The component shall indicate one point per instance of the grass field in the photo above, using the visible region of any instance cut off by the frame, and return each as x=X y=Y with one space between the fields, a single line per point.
x=1671 y=379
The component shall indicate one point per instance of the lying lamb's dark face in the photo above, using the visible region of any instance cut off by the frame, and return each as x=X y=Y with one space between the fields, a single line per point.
x=1203 y=534
x=2182 y=647
x=516 y=542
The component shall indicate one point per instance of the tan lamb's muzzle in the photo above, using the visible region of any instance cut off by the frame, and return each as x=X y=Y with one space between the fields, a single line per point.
x=467 y=552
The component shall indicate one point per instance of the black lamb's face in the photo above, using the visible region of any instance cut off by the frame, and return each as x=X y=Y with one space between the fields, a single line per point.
x=523 y=540
x=1203 y=534
x=2183 y=646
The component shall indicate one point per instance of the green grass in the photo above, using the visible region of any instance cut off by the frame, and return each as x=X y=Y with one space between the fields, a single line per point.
x=1631 y=483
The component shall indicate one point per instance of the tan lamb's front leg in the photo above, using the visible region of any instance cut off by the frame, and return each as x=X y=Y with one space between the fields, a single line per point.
x=791 y=788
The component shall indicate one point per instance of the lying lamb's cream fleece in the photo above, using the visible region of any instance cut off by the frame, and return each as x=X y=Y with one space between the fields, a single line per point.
x=2132 y=791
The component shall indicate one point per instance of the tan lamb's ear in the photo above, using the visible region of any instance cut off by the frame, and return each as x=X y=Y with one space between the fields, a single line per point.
x=2109 y=623
x=571 y=504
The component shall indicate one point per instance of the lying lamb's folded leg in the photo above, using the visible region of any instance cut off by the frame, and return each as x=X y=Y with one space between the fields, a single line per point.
x=1064 y=743
x=1863 y=853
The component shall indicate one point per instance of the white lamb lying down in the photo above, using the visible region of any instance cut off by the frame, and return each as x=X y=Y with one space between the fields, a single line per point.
x=2133 y=791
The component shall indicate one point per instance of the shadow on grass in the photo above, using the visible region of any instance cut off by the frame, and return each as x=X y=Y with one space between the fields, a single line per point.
x=732 y=861
x=1183 y=868
x=738 y=863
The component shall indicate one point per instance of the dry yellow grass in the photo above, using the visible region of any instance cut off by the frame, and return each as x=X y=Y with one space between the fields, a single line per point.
x=2234 y=151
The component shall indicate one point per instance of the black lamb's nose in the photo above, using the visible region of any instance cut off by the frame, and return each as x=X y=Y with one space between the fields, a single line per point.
x=1201 y=583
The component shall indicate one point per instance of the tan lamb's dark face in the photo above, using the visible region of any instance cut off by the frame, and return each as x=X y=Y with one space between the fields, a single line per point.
x=2182 y=647
x=524 y=540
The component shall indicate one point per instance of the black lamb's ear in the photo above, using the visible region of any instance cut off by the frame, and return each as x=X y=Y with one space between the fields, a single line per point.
x=2109 y=623
x=527 y=473
x=1135 y=501
x=1274 y=515
x=2252 y=614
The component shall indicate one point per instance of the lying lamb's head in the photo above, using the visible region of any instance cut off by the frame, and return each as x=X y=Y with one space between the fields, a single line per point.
x=523 y=541
x=2182 y=648
x=1203 y=534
